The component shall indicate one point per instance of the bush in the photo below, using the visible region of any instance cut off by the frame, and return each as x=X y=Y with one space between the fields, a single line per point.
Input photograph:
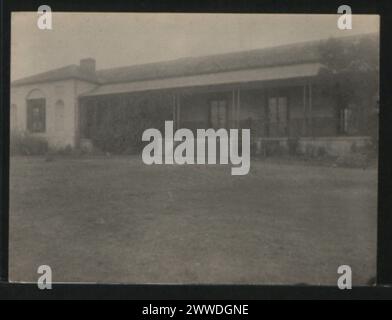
x=354 y=160
x=273 y=148
x=359 y=157
x=293 y=144
x=321 y=152
x=120 y=128
x=64 y=151
x=310 y=151
x=24 y=144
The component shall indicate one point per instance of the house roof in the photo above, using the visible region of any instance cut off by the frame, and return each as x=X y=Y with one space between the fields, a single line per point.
x=267 y=57
x=64 y=73
x=298 y=53
x=217 y=78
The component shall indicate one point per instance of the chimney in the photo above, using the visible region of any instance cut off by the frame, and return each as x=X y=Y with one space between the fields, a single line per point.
x=88 y=65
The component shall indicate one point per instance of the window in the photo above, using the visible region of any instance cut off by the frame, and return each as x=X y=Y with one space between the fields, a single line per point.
x=36 y=115
x=218 y=114
x=14 y=117
x=277 y=115
x=59 y=116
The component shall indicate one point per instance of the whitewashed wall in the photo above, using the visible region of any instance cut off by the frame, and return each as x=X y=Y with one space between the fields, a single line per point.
x=67 y=91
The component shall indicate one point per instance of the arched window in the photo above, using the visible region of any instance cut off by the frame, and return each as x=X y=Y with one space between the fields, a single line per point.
x=36 y=111
x=14 y=117
x=59 y=115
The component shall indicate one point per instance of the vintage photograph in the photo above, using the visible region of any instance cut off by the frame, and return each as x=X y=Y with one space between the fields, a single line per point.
x=178 y=148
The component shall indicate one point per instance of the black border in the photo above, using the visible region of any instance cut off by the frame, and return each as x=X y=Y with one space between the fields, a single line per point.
x=146 y=293
x=384 y=250
x=4 y=142
x=384 y=243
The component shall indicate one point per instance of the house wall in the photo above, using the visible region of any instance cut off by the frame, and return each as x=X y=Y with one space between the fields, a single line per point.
x=66 y=91
x=194 y=110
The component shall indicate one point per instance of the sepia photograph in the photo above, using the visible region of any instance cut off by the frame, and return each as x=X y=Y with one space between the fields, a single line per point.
x=194 y=148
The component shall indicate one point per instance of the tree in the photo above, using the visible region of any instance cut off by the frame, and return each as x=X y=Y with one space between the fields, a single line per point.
x=351 y=66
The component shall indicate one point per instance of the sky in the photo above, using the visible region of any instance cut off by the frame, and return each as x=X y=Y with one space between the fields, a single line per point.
x=122 y=39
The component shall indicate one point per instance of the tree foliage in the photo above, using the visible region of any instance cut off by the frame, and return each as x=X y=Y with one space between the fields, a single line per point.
x=351 y=68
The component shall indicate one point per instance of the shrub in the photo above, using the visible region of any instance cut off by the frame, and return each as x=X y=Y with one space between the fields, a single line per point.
x=24 y=144
x=121 y=127
x=359 y=157
x=310 y=151
x=353 y=147
x=321 y=152
x=353 y=160
x=64 y=151
x=273 y=148
x=293 y=144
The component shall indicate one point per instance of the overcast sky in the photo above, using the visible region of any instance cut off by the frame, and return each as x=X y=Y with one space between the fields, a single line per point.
x=119 y=39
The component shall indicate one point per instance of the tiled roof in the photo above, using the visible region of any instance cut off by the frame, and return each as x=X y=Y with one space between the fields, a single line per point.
x=290 y=54
x=297 y=53
x=64 y=73
x=284 y=72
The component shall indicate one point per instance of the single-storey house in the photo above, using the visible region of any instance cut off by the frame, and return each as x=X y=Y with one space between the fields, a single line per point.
x=279 y=93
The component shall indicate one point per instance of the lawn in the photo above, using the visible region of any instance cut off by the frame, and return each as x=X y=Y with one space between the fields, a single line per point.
x=118 y=220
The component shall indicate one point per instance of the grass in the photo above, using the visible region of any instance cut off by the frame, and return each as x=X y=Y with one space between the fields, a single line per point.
x=118 y=220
